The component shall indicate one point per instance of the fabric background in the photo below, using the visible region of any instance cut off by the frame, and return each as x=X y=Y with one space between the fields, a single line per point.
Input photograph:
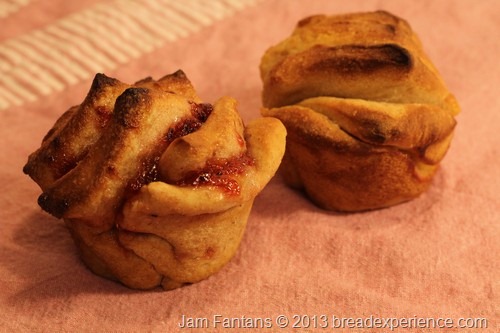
x=436 y=256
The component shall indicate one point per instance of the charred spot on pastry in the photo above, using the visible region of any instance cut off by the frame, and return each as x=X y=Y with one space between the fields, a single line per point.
x=128 y=103
x=390 y=28
x=179 y=74
x=102 y=80
x=376 y=137
x=56 y=143
x=111 y=169
x=358 y=59
x=147 y=79
x=26 y=169
x=395 y=55
x=307 y=20
x=373 y=132
x=53 y=206
x=100 y=83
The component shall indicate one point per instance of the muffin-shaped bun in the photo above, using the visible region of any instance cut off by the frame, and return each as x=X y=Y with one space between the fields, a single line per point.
x=368 y=116
x=155 y=186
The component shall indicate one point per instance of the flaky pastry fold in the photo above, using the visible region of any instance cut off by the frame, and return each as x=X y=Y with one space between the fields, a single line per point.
x=155 y=186
x=368 y=116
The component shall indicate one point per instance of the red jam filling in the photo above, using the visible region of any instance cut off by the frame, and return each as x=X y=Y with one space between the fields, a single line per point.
x=220 y=173
x=148 y=171
x=199 y=112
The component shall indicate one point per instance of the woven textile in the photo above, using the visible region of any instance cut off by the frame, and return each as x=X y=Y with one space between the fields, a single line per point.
x=434 y=257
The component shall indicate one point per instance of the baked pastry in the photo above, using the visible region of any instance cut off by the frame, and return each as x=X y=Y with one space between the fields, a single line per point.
x=155 y=186
x=367 y=114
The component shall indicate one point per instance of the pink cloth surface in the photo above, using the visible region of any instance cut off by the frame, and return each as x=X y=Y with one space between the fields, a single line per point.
x=434 y=257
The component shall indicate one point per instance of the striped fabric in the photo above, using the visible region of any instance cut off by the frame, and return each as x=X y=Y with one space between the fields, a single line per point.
x=299 y=268
x=11 y=6
x=99 y=38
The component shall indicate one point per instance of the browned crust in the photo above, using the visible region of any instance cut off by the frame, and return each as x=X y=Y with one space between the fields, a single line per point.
x=352 y=56
x=368 y=115
x=135 y=197
x=72 y=135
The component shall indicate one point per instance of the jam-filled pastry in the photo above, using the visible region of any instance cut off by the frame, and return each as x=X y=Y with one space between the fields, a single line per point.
x=368 y=116
x=154 y=185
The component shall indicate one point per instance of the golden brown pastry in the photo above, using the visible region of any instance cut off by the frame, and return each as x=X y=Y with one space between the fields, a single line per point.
x=155 y=186
x=368 y=116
